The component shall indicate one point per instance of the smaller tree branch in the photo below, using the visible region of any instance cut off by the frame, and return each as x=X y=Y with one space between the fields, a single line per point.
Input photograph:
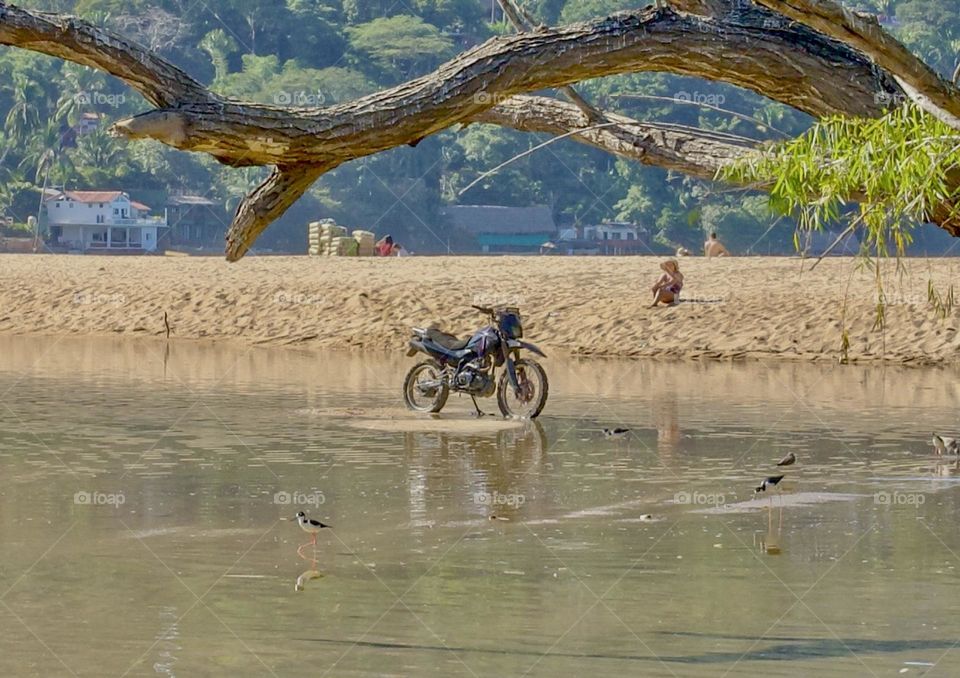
x=520 y=18
x=690 y=150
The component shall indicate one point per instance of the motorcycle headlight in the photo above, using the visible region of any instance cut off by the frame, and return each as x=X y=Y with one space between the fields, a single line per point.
x=511 y=326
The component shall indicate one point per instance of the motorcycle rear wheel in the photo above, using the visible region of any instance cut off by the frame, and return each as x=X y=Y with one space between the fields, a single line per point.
x=424 y=389
x=534 y=389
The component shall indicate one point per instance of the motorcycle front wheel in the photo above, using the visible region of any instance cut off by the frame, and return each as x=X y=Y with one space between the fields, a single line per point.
x=424 y=389
x=532 y=395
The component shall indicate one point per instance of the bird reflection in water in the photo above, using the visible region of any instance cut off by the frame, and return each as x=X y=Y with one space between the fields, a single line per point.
x=312 y=572
x=947 y=470
x=307 y=576
x=770 y=542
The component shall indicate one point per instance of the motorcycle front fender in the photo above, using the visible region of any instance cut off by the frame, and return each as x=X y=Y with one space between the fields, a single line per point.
x=512 y=375
x=516 y=343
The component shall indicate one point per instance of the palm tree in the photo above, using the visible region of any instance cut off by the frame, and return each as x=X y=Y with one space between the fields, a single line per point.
x=23 y=116
x=99 y=157
x=44 y=154
x=80 y=82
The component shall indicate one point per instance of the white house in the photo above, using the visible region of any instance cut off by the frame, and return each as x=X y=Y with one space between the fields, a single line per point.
x=101 y=220
x=611 y=231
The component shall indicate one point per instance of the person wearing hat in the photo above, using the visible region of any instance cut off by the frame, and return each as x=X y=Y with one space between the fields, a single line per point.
x=668 y=286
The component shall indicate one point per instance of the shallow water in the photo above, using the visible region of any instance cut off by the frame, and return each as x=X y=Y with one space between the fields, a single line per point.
x=144 y=487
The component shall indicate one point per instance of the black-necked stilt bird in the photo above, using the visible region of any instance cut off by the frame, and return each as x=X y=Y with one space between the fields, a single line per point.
x=770 y=481
x=944 y=445
x=615 y=433
x=789 y=460
x=310 y=525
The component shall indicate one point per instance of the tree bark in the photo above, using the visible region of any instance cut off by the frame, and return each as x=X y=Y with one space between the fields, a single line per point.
x=747 y=46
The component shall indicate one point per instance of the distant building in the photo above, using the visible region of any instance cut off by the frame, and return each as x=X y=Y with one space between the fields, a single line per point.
x=100 y=221
x=608 y=238
x=88 y=123
x=195 y=221
x=611 y=231
x=499 y=229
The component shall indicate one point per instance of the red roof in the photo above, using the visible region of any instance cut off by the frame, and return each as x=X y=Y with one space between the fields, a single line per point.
x=88 y=196
x=95 y=196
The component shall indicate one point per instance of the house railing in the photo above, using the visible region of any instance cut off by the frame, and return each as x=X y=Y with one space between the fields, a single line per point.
x=119 y=221
x=115 y=245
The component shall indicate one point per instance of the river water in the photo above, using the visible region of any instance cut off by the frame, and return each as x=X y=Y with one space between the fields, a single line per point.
x=146 y=490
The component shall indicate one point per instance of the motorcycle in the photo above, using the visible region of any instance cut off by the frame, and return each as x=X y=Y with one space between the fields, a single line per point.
x=470 y=365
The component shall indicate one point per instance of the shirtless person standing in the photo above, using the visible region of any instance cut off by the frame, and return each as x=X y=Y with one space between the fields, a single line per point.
x=714 y=248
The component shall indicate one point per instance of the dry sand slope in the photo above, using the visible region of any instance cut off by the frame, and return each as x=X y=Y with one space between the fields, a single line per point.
x=738 y=307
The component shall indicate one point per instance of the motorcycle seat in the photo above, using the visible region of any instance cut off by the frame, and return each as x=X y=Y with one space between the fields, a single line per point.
x=448 y=341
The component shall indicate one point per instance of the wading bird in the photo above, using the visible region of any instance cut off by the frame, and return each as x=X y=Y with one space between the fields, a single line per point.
x=945 y=445
x=789 y=460
x=768 y=482
x=309 y=525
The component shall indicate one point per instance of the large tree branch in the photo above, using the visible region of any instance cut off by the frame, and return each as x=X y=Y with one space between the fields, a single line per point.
x=863 y=32
x=661 y=40
x=795 y=66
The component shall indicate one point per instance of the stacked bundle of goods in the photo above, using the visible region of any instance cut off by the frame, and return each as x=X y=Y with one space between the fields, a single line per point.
x=330 y=236
x=366 y=245
x=326 y=238
x=313 y=239
x=321 y=236
x=343 y=246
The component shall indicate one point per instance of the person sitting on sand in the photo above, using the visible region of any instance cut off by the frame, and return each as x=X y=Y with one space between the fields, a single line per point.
x=714 y=248
x=668 y=286
x=385 y=246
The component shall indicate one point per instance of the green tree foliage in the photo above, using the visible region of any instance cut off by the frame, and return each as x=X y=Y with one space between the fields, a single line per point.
x=399 y=45
x=898 y=165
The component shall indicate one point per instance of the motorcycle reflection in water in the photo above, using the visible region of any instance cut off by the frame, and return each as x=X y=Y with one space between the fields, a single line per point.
x=496 y=469
x=469 y=366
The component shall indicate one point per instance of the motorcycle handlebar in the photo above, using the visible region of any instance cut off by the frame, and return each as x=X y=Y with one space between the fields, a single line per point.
x=483 y=309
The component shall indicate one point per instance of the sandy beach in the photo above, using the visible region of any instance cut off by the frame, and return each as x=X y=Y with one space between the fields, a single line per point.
x=592 y=306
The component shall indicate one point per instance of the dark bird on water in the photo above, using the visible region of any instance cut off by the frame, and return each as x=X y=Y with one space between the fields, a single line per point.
x=615 y=432
x=768 y=482
x=310 y=525
x=789 y=460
